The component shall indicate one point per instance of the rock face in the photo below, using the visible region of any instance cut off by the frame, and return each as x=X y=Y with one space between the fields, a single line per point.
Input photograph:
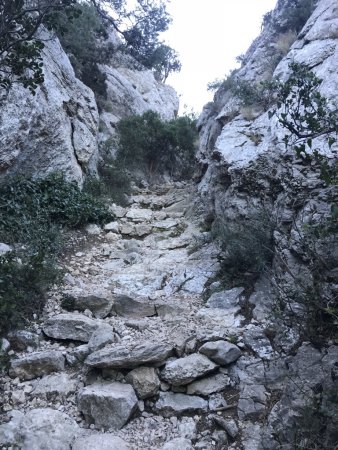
x=245 y=170
x=55 y=130
x=135 y=92
x=107 y=405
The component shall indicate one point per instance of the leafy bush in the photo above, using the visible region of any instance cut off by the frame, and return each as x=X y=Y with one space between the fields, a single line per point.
x=24 y=280
x=146 y=142
x=33 y=213
x=294 y=16
x=247 y=248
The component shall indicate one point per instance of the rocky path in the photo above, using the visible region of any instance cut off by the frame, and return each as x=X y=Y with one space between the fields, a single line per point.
x=129 y=354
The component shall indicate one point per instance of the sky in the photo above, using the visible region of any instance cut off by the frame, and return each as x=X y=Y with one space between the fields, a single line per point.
x=208 y=35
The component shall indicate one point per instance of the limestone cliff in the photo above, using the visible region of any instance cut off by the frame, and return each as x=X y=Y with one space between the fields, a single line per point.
x=58 y=128
x=245 y=168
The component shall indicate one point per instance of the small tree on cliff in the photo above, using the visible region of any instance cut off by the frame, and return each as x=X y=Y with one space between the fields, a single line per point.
x=21 y=46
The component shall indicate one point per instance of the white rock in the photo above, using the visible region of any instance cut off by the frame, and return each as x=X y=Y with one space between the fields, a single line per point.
x=100 y=442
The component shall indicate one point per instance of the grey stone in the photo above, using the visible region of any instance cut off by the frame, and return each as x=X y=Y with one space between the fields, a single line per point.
x=217 y=402
x=225 y=299
x=72 y=326
x=229 y=425
x=99 y=305
x=145 y=381
x=209 y=385
x=252 y=401
x=183 y=371
x=256 y=340
x=55 y=385
x=100 y=442
x=21 y=339
x=112 y=226
x=128 y=307
x=36 y=365
x=102 y=336
x=107 y=405
x=38 y=429
x=121 y=357
x=178 y=444
x=221 y=352
x=77 y=355
x=170 y=404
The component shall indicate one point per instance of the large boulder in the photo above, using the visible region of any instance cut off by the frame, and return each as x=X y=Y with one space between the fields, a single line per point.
x=107 y=405
x=41 y=428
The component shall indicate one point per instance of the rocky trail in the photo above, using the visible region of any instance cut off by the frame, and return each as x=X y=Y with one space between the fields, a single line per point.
x=130 y=354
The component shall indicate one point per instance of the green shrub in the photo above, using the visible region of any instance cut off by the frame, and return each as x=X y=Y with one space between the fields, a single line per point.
x=33 y=214
x=148 y=143
x=247 y=248
x=294 y=16
x=24 y=280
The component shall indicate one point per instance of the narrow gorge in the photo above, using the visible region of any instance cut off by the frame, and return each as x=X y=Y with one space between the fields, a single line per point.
x=201 y=312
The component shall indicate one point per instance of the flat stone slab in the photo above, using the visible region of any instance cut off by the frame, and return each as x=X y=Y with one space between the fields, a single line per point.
x=55 y=385
x=126 y=306
x=36 y=365
x=209 y=385
x=72 y=326
x=121 y=357
x=178 y=444
x=170 y=404
x=185 y=370
x=107 y=405
x=41 y=428
x=100 y=442
x=222 y=352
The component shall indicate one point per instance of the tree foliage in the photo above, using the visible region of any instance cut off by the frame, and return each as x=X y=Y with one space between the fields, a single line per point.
x=306 y=114
x=20 y=46
x=139 y=26
x=147 y=142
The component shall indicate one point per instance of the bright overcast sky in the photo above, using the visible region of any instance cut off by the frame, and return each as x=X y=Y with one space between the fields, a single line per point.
x=208 y=35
